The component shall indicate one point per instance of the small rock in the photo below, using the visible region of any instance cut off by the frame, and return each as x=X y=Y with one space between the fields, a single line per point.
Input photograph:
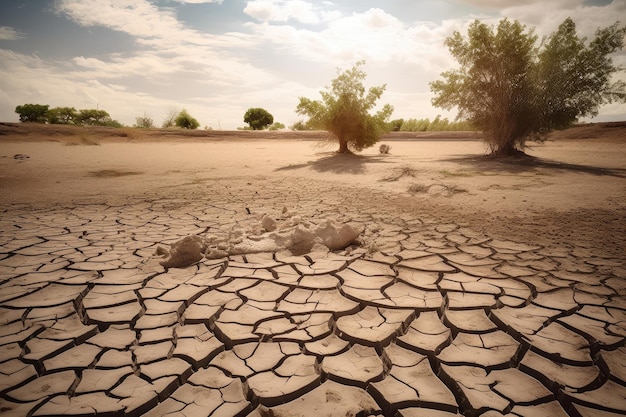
x=268 y=223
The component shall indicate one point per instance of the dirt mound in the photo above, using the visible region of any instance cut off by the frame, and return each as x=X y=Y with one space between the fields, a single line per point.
x=614 y=131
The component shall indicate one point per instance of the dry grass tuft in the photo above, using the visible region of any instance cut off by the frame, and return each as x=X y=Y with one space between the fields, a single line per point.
x=397 y=173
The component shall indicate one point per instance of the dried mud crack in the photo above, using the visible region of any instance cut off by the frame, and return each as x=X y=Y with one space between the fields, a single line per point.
x=424 y=318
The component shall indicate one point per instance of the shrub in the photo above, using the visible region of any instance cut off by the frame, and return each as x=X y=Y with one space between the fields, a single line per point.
x=144 y=122
x=185 y=121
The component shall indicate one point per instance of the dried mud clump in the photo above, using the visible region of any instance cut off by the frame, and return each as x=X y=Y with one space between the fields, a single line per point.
x=268 y=235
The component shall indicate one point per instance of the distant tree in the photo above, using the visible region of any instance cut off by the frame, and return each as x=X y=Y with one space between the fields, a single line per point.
x=144 y=122
x=185 y=121
x=62 y=115
x=93 y=117
x=170 y=119
x=277 y=126
x=344 y=110
x=513 y=90
x=258 y=118
x=32 y=112
x=111 y=123
x=395 y=125
x=300 y=125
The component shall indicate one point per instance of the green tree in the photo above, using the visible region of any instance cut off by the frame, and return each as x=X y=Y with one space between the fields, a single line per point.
x=277 y=126
x=144 y=122
x=94 y=117
x=513 y=90
x=575 y=78
x=185 y=121
x=32 y=112
x=62 y=115
x=395 y=125
x=344 y=110
x=258 y=118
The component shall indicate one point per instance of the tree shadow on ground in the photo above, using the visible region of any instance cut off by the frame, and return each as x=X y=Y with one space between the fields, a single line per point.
x=527 y=163
x=337 y=163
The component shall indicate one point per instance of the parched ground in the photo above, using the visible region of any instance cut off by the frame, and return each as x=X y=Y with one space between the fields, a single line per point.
x=478 y=287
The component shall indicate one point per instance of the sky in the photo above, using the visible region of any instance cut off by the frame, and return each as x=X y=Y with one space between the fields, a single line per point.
x=217 y=58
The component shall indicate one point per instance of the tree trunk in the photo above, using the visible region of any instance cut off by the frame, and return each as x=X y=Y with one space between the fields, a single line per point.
x=343 y=146
x=508 y=149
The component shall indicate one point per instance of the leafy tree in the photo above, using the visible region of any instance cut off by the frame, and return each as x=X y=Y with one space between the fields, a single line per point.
x=513 y=90
x=344 y=110
x=62 y=115
x=32 y=112
x=258 y=118
x=395 y=125
x=277 y=126
x=185 y=121
x=112 y=123
x=575 y=79
x=144 y=122
x=415 y=125
x=93 y=117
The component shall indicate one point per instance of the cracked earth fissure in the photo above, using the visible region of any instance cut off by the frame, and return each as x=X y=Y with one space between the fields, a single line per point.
x=501 y=324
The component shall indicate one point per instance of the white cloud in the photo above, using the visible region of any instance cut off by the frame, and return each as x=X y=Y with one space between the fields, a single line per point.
x=374 y=35
x=9 y=34
x=285 y=10
x=199 y=1
x=545 y=16
x=502 y=4
x=136 y=17
x=268 y=63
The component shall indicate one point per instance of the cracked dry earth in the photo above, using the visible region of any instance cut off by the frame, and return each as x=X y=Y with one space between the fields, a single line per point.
x=425 y=318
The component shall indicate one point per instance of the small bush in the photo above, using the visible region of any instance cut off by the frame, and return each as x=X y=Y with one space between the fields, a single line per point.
x=300 y=125
x=144 y=122
x=185 y=121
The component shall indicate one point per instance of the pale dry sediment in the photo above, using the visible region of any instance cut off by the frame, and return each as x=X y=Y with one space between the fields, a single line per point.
x=425 y=316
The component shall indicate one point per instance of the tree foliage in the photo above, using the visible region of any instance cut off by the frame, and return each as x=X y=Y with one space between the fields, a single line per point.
x=345 y=110
x=258 y=118
x=62 y=115
x=94 y=117
x=144 y=122
x=436 y=125
x=185 y=121
x=301 y=125
x=513 y=90
x=32 y=112
x=41 y=113
x=277 y=126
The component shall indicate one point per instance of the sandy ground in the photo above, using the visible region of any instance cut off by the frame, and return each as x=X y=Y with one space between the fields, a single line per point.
x=477 y=287
x=571 y=192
